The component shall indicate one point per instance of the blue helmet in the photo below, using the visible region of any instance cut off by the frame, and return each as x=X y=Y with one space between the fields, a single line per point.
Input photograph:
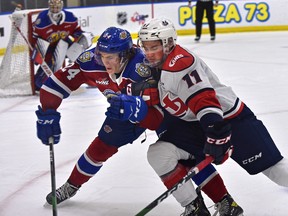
x=114 y=40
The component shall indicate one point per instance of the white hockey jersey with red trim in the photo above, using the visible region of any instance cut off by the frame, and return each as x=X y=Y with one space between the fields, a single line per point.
x=189 y=89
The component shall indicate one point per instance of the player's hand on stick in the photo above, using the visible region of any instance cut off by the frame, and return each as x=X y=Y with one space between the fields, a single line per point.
x=36 y=57
x=48 y=125
x=147 y=89
x=124 y=107
x=218 y=144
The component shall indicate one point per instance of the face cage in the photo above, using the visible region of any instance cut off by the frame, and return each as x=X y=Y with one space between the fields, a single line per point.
x=55 y=7
x=166 y=50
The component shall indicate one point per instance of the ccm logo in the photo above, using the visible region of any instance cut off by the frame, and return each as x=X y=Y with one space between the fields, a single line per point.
x=138 y=105
x=45 y=122
x=252 y=159
x=218 y=141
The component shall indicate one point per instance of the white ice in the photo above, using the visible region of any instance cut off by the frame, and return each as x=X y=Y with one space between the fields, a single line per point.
x=254 y=64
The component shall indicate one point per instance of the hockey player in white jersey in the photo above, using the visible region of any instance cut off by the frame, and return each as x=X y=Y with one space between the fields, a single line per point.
x=190 y=91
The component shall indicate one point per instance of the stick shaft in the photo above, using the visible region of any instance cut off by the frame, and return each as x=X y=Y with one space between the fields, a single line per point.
x=53 y=180
x=163 y=196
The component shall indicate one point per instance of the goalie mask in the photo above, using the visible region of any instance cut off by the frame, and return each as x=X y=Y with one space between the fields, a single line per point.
x=114 y=40
x=55 y=8
x=159 y=29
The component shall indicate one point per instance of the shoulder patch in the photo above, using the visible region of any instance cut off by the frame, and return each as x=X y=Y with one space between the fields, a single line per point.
x=178 y=60
x=38 y=21
x=86 y=56
x=143 y=70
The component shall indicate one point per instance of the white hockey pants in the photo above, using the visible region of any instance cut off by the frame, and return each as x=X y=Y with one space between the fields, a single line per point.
x=163 y=158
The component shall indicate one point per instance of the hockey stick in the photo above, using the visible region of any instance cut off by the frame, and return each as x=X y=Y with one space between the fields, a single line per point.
x=43 y=64
x=53 y=181
x=189 y=175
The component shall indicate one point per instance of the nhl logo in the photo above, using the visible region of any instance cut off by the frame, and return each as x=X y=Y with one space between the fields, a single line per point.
x=122 y=18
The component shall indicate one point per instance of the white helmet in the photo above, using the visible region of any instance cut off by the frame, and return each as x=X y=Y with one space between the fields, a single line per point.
x=159 y=29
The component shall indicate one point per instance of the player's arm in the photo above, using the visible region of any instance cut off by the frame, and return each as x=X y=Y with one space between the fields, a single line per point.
x=60 y=85
x=57 y=87
x=148 y=90
x=138 y=104
x=79 y=41
x=79 y=36
x=198 y=94
x=207 y=108
x=153 y=118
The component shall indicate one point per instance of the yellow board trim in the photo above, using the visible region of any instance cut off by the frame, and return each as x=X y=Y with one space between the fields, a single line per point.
x=206 y=31
x=231 y=30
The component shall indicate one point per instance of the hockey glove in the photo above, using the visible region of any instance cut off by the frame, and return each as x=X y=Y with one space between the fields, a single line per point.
x=218 y=144
x=125 y=107
x=148 y=90
x=48 y=125
x=36 y=57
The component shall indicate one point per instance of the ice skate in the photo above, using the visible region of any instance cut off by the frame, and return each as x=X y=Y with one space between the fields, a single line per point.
x=63 y=193
x=196 y=208
x=197 y=38
x=228 y=207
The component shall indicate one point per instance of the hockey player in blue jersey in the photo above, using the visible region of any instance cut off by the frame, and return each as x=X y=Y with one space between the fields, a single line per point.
x=114 y=64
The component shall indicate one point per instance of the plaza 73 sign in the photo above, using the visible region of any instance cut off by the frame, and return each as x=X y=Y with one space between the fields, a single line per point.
x=227 y=13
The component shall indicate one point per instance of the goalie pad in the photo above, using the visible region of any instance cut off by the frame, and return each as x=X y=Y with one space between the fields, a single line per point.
x=59 y=54
x=84 y=41
x=39 y=51
x=42 y=46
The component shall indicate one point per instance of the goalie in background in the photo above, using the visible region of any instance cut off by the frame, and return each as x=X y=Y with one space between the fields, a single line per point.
x=57 y=35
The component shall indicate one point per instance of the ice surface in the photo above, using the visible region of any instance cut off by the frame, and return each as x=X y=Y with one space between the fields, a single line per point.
x=254 y=64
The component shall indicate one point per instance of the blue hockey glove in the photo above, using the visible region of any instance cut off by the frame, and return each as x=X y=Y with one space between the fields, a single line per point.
x=218 y=144
x=48 y=125
x=125 y=107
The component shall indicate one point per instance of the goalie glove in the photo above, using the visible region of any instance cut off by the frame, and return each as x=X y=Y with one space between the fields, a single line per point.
x=218 y=144
x=36 y=57
x=148 y=90
x=83 y=42
x=124 y=107
x=48 y=125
